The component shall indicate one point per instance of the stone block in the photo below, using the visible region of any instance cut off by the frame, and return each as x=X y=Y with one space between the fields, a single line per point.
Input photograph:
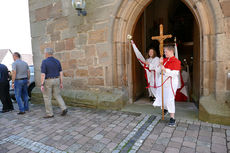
x=38 y=29
x=69 y=44
x=96 y=71
x=74 y=20
x=84 y=28
x=79 y=83
x=34 y=4
x=66 y=55
x=68 y=33
x=81 y=39
x=85 y=61
x=108 y=76
x=56 y=10
x=58 y=56
x=55 y=36
x=92 y=4
x=104 y=53
x=67 y=8
x=101 y=25
x=225 y=5
x=65 y=65
x=50 y=28
x=98 y=14
x=42 y=13
x=68 y=73
x=96 y=81
x=111 y=101
x=59 y=46
x=213 y=112
x=90 y=50
x=221 y=44
x=220 y=76
x=82 y=73
x=98 y=36
x=77 y=54
x=61 y=23
x=72 y=63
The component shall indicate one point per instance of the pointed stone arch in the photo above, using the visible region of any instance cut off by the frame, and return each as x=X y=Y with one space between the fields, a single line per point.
x=124 y=24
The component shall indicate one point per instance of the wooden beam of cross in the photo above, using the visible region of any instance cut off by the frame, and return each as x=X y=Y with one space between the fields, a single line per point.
x=161 y=39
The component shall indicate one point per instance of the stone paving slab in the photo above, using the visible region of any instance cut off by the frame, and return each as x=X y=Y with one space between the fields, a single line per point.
x=90 y=130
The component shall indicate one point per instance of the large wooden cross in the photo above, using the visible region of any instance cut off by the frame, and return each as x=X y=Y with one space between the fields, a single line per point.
x=161 y=39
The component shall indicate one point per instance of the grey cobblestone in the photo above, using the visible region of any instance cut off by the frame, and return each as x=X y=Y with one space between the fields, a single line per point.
x=89 y=130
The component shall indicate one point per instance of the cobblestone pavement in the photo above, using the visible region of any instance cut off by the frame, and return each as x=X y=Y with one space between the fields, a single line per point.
x=89 y=130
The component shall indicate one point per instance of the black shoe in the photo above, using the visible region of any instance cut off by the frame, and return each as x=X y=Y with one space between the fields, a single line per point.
x=172 y=122
x=64 y=112
x=150 y=99
x=48 y=116
x=21 y=113
x=166 y=112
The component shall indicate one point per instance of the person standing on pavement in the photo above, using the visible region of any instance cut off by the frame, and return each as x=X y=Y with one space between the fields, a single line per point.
x=20 y=80
x=4 y=89
x=52 y=82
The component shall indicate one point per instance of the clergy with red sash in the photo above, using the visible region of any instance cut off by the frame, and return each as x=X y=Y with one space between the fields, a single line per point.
x=171 y=70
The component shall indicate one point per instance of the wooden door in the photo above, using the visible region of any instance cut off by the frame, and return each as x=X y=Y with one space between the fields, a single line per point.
x=196 y=65
x=138 y=72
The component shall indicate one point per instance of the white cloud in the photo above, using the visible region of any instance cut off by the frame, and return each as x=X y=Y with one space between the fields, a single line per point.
x=15 y=26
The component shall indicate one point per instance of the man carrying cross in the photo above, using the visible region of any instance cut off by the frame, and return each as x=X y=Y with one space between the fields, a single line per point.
x=169 y=80
x=171 y=70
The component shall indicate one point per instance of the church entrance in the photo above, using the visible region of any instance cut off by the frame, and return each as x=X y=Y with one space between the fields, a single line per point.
x=179 y=21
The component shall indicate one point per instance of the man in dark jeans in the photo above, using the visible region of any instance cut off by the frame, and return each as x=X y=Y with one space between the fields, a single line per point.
x=20 y=79
x=4 y=89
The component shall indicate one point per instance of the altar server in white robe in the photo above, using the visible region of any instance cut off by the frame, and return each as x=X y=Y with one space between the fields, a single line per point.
x=153 y=63
x=171 y=70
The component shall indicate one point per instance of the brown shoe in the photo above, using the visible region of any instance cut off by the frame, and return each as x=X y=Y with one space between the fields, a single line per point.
x=48 y=116
x=21 y=113
x=64 y=112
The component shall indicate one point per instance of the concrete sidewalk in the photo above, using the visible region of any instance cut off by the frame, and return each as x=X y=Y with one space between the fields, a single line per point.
x=184 y=110
x=86 y=130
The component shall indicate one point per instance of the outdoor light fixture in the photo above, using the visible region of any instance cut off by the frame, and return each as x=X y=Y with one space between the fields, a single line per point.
x=79 y=5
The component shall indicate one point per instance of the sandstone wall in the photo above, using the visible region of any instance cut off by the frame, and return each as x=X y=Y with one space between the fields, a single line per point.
x=93 y=49
x=82 y=44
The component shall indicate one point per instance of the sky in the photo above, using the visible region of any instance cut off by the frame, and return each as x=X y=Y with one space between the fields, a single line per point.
x=15 y=26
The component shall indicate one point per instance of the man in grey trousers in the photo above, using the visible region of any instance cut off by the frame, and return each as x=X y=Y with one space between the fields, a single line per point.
x=51 y=82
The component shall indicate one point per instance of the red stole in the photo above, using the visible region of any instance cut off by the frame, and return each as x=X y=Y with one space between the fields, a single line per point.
x=172 y=63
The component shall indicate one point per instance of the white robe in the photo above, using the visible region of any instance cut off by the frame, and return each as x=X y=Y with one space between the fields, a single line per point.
x=169 y=94
x=153 y=65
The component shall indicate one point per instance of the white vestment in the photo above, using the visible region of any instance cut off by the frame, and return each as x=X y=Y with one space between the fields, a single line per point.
x=186 y=79
x=152 y=75
x=170 y=88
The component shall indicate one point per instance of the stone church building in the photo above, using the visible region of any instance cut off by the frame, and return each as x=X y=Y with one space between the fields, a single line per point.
x=100 y=69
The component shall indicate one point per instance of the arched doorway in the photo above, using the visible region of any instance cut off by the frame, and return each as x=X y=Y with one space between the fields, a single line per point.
x=179 y=21
x=128 y=15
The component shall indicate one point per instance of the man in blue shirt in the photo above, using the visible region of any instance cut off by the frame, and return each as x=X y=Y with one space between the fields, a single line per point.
x=4 y=89
x=51 y=82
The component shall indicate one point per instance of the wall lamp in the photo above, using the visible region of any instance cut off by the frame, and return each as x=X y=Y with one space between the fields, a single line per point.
x=79 y=5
